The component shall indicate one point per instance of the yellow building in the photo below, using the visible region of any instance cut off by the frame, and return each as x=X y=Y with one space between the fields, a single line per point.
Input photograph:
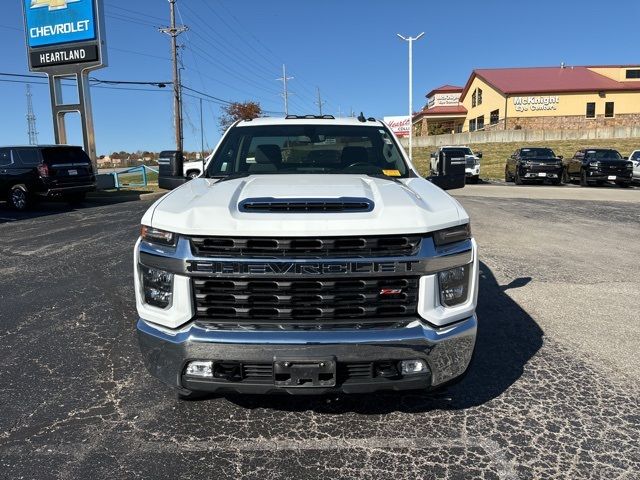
x=541 y=98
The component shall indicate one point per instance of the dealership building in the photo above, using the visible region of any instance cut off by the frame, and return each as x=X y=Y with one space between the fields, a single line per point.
x=561 y=97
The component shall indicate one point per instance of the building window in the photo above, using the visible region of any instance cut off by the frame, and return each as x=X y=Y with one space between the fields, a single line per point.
x=480 y=122
x=479 y=96
x=591 y=109
x=609 y=110
x=472 y=125
x=476 y=98
x=494 y=117
x=635 y=73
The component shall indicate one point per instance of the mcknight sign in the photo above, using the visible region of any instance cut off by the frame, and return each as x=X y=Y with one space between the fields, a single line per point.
x=55 y=22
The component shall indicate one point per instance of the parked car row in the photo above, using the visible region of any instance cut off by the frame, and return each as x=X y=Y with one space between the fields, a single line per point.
x=589 y=166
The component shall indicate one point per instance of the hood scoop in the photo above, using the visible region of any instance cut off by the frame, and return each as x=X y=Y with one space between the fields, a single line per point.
x=306 y=205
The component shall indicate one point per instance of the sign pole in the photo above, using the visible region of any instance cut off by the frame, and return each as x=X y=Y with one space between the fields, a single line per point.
x=66 y=39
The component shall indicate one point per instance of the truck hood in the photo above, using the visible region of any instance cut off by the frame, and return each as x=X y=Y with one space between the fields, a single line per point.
x=210 y=207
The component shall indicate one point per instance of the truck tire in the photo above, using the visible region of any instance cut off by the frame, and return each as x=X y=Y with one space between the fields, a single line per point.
x=518 y=180
x=193 y=174
x=19 y=198
x=565 y=176
x=507 y=178
x=583 y=178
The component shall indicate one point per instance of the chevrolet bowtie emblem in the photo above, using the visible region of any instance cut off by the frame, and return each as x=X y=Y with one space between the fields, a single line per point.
x=52 y=4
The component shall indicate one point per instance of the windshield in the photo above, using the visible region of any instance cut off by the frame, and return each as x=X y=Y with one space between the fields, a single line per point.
x=457 y=152
x=308 y=149
x=537 y=153
x=603 y=155
x=636 y=155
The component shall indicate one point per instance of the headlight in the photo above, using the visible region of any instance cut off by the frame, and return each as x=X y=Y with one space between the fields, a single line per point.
x=157 y=287
x=454 y=286
x=155 y=235
x=594 y=164
x=452 y=235
x=629 y=166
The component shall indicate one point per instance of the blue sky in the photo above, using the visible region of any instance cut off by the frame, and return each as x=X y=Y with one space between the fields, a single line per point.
x=348 y=48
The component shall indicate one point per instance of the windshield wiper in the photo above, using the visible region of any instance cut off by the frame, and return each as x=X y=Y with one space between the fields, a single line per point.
x=232 y=176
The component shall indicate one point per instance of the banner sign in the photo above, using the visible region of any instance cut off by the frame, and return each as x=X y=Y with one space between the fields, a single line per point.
x=53 y=22
x=399 y=125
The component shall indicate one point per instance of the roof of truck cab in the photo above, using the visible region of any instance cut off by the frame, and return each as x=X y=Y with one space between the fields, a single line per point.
x=268 y=121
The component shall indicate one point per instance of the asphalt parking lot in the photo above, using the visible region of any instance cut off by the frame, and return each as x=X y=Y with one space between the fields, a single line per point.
x=553 y=391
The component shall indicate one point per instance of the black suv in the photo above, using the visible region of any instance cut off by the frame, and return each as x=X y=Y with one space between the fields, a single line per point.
x=599 y=165
x=28 y=173
x=533 y=164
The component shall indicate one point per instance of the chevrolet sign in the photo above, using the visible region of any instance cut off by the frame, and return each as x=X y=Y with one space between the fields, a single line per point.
x=54 y=22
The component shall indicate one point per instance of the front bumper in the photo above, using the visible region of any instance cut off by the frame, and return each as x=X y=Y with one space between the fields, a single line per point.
x=540 y=172
x=447 y=352
x=610 y=176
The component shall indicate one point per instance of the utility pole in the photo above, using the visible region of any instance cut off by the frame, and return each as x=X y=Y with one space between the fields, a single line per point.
x=411 y=40
x=173 y=32
x=319 y=102
x=285 y=93
x=31 y=119
x=201 y=131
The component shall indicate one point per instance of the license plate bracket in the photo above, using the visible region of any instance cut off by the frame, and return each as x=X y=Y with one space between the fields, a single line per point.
x=304 y=373
x=73 y=172
x=611 y=177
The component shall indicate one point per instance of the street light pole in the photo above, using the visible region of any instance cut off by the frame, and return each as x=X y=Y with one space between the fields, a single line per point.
x=411 y=40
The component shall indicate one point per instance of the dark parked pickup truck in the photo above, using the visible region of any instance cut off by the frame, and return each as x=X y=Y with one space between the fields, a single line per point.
x=595 y=166
x=28 y=173
x=533 y=165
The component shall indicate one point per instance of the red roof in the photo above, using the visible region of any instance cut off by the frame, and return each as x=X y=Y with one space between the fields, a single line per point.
x=444 y=89
x=455 y=110
x=511 y=81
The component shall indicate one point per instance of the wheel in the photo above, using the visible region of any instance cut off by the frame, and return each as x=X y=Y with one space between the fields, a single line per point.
x=623 y=184
x=474 y=179
x=19 y=198
x=507 y=177
x=565 y=176
x=192 y=175
x=518 y=180
x=583 y=178
x=556 y=181
x=75 y=198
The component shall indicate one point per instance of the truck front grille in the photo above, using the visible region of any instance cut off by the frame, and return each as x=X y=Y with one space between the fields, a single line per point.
x=306 y=247
x=303 y=301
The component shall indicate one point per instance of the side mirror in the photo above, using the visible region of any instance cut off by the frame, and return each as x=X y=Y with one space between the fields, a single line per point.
x=479 y=154
x=625 y=158
x=433 y=155
x=170 y=168
x=561 y=157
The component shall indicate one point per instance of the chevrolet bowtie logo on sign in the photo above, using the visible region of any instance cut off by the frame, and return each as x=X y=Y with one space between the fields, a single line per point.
x=52 y=4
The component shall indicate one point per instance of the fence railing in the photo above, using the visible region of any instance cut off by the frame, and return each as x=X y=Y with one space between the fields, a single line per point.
x=143 y=170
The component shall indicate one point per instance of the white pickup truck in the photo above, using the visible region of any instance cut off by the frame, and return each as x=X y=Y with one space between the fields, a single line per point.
x=194 y=169
x=310 y=257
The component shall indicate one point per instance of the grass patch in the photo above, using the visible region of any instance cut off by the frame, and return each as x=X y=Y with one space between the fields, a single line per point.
x=495 y=154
